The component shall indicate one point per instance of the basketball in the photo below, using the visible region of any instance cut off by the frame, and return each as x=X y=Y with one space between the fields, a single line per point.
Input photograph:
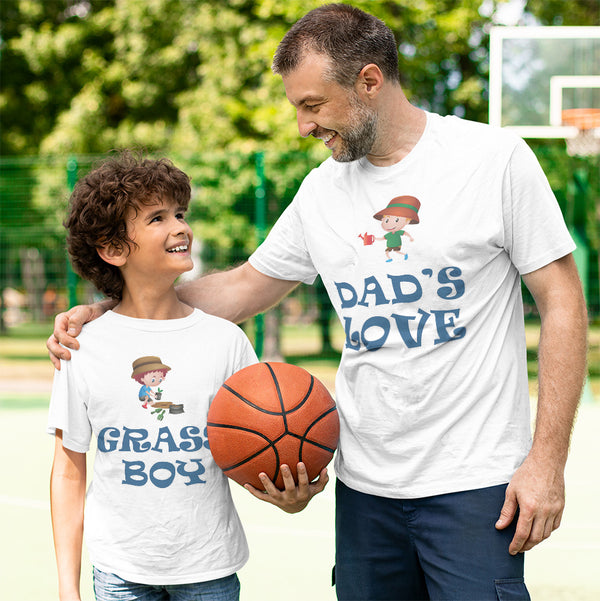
x=270 y=414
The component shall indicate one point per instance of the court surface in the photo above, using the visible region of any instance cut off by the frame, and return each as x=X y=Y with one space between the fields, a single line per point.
x=291 y=556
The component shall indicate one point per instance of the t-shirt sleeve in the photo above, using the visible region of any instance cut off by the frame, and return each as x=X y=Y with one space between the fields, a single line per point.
x=246 y=355
x=68 y=410
x=535 y=230
x=284 y=254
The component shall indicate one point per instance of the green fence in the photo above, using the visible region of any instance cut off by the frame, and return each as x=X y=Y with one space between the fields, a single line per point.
x=576 y=184
x=235 y=199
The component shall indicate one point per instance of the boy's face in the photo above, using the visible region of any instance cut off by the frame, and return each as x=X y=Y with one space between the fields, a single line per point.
x=393 y=223
x=152 y=378
x=163 y=241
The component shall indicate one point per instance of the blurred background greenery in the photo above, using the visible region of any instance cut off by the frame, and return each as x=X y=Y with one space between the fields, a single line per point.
x=191 y=79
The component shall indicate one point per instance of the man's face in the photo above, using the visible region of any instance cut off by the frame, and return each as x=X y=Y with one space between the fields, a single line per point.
x=359 y=135
x=330 y=112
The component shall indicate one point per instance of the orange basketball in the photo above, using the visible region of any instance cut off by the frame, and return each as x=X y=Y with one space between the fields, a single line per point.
x=270 y=414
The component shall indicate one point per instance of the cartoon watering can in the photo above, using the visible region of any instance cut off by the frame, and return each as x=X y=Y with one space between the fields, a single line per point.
x=367 y=239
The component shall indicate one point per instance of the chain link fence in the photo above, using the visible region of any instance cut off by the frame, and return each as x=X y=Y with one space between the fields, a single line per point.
x=235 y=198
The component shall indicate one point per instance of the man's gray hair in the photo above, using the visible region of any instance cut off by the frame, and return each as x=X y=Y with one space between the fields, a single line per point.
x=349 y=37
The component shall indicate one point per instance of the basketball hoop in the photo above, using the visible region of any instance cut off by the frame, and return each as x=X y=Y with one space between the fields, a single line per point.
x=587 y=142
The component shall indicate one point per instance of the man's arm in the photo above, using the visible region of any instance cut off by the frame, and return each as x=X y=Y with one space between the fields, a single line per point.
x=235 y=295
x=67 y=326
x=67 y=497
x=537 y=488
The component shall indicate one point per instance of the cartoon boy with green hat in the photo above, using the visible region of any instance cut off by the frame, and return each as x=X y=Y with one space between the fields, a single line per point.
x=400 y=211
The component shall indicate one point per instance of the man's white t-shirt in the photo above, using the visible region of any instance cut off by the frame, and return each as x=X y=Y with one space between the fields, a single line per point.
x=432 y=387
x=158 y=509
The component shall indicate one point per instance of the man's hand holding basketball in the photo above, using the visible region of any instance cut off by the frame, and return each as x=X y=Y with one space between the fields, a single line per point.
x=293 y=498
x=67 y=326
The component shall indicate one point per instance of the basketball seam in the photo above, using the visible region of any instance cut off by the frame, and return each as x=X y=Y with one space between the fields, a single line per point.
x=306 y=396
x=283 y=416
x=246 y=459
x=304 y=437
x=316 y=421
x=283 y=411
x=235 y=427
x=250 y=403
x=279 y=396
x=232 y=467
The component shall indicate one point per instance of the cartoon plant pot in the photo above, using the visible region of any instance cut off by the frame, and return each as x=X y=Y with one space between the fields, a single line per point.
x=158 y=395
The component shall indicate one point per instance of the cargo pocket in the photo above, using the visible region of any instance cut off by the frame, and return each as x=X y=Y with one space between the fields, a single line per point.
x=511 y=589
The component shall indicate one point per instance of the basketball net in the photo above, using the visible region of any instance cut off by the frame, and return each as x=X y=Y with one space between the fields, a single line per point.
x=587 y=142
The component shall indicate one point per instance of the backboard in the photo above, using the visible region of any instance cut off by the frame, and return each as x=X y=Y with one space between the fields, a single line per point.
x=537 y=73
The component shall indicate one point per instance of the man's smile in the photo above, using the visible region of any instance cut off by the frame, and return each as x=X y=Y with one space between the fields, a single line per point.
x=327 y=138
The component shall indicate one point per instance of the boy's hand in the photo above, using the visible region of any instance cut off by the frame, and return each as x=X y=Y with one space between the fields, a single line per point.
x=293 y=498
x=67 y=326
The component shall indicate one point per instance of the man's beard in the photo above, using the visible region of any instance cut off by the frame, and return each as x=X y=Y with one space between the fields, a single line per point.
x=359 y=136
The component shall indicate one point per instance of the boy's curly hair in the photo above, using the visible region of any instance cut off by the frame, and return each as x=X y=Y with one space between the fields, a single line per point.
x=100 y=207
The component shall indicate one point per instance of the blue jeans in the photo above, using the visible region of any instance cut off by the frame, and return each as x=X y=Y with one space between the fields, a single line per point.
x=110 y=587
x=442 y=547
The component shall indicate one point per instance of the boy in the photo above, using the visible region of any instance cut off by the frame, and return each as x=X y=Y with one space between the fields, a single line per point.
x=401 y=211
x=159 y=518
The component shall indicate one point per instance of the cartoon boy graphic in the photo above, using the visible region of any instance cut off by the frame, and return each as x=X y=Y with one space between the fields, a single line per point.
x=400 y=211
x=149 y=372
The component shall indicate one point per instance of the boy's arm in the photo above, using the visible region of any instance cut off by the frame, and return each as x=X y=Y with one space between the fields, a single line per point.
x=67 y=497
x=293 y=498
x=235 y=295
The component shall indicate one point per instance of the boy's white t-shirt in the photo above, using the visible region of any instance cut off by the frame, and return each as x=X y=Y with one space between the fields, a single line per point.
x=432 y=386
x=158 y=509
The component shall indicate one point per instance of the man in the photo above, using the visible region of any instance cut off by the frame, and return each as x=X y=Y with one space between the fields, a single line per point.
x=440 y=488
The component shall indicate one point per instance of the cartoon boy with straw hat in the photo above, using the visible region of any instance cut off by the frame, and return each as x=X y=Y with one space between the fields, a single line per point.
x=400 y=211
x=149 y=372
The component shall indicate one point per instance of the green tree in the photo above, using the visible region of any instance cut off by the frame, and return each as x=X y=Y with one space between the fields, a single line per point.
x=561 y=12
x=189 y=75
x=192 y=78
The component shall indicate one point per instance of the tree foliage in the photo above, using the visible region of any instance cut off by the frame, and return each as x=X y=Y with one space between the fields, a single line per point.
x=83 y=76
x=192 y=79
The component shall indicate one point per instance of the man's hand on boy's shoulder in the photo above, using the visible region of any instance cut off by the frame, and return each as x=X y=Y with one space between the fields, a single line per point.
x=293 y=498
x=67 y=326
